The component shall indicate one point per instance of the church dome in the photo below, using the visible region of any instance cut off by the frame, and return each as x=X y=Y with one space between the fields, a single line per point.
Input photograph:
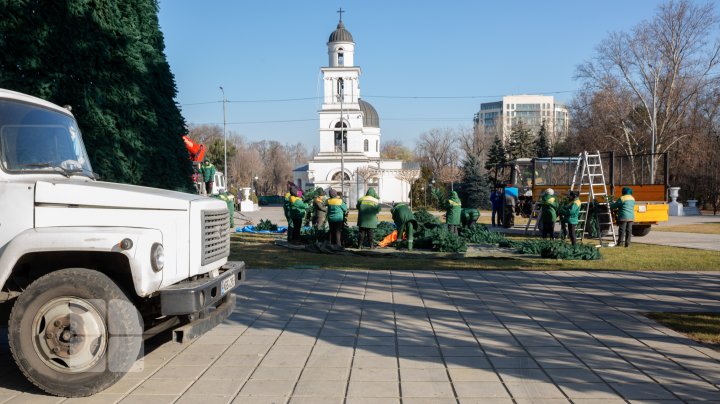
x=341 y=34
x=370 y=115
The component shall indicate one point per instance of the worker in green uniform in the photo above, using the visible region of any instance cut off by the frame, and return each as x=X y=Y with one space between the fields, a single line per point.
x=569 y=216
x=368 y=208
x=405 y=222
x=207 y=171
x=468 y=217
x=319 y=210
x=625 y=206
x=336 y=212
x=297 y=208
x=548 y=213
x=452 y=213
x=286 y=211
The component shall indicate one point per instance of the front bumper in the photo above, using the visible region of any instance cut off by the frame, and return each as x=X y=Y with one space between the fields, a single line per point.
x=190 y=297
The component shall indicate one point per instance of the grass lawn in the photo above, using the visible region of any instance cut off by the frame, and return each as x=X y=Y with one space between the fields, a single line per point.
x=701 y=327
x=702 y=228
x=259 y=252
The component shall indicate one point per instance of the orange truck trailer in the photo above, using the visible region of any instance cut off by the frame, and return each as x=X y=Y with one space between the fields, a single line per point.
x=534 y=175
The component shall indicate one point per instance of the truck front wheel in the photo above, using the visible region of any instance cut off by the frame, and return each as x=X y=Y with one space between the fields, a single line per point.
x=74 y=332
x=641 y=230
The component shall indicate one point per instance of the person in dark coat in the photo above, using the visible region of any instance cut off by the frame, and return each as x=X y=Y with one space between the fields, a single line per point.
x=497 y=201
x=625 y=206
x=405 y=222
x=368 y=208
x=336 y=213
x=319 y=210
x=548 y=213
x=452 y=213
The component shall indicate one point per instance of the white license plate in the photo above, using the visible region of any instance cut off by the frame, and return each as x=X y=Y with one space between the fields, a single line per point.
x=227 y=284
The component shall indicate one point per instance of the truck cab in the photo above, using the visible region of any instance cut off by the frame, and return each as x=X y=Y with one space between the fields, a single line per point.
x=91 y=267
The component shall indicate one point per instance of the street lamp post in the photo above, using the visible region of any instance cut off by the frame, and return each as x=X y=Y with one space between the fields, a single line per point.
x=424 y=196
x=224 y=134
x=342 y=142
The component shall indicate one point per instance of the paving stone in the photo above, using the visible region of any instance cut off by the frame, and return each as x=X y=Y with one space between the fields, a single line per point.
x=325 y=373
x=472 y=375
x=428 y=389
x=534 y=390
x=573 y=375
x=267 y=388
x=320 y=388
x=480 y=389
x=147 y=399
x=373 y=389
x=588 y=390
x=213 y=387
x=374 y=374
x=423 y=375
x=276 y=373
x=642 y=391
x=517 y=362
x=163 y=386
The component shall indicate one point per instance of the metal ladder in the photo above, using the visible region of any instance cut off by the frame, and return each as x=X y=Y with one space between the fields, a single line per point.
x=588 y=176
x=534 y=216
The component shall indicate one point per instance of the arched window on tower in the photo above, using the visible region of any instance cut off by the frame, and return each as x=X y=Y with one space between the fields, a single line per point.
x=340 y=133
x=340 y=89
x=341 y=57
x=366 y=145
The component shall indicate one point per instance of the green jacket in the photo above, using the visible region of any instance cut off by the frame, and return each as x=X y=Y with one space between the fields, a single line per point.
x=469 y=215
x=402 y=215
x=286 y=206
x=336 y=209
x=297 y=207
x=625 y=206
x=570 y=213
x=549 y=209
x=368 y=208
x=452 y=215
x=207 y=171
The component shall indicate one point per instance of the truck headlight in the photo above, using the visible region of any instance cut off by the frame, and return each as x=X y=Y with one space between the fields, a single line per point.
x=157 y=257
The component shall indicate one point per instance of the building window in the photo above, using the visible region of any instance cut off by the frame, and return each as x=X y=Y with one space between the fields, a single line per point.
x=377 y=145
x=299 y=183
x=340 y=134
x=340 y=89
x=366 y=145
x=341 y=59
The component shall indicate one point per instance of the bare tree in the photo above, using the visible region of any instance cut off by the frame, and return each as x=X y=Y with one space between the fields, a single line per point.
x=664 y=64
x=408 y=176
x=395 y=150
x=438 y=148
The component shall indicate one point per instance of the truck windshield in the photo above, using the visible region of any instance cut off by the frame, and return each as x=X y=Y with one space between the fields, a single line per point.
x=37 y=139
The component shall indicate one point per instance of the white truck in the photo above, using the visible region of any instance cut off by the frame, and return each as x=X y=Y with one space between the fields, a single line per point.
x=91 y=268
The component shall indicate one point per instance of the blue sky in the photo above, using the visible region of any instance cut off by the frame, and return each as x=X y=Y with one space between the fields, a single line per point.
x=270 y=50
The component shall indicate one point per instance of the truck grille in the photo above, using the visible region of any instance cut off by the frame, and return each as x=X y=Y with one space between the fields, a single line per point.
x=216 y=235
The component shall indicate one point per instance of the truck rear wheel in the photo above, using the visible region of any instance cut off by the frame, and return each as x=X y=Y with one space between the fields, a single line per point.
x=74 y=332
x=641 y=230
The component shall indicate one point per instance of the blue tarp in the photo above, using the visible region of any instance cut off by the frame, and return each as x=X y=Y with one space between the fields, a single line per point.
x=251 y=229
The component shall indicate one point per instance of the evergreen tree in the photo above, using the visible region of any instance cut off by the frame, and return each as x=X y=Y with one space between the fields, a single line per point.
x=475 y=188
x=542 y=144
x=521 y=143
x=497 y=154
x=106 y=60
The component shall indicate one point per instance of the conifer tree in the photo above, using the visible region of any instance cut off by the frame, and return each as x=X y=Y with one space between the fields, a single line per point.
x=542 y=144
x=497 y=154
x=475 y=188
x=521 y=143
x=105 y=59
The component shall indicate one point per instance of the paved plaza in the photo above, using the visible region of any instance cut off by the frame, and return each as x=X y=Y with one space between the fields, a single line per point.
x=316 y=336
